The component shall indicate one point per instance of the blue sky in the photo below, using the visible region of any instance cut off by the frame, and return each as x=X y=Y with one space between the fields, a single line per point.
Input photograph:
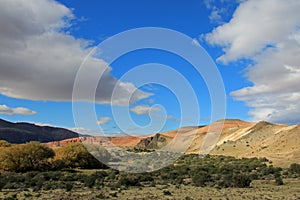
x=44 y=43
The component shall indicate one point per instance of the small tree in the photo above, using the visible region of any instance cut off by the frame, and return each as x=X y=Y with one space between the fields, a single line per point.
x=278 y=179
x=75 y=155
x=295 y=168
x=25 y=157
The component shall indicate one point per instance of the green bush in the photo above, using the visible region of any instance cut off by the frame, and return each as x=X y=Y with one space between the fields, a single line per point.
x=201 y=178
x=100 y=196
x=295 y=168
x=69 y=186
x=89 y=181
x=167 y=192
x=241 y=180
x=129 y=180
x=278 y=180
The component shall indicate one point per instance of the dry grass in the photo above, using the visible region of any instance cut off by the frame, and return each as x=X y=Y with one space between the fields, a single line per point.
x=259 y=190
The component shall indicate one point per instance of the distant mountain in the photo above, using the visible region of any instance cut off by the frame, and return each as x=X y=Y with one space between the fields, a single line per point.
x=26 y=132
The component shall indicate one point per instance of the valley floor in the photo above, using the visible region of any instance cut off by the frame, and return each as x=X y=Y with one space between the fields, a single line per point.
x=261 y=189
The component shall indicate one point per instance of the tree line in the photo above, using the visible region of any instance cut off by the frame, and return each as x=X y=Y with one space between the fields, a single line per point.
x=35 y=156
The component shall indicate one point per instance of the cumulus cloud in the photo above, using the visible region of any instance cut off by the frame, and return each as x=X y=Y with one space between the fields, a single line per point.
x=5 y=110
x=104 y=120
x=144 y=109
x=39 y=60
x=267 y=32
x=254 y=25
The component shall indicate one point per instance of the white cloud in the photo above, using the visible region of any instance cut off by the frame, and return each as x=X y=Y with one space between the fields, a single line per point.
x=100 y=132
x=170 y=117
x=85 y=131
x=215 y=15
x=5 y=110
x=254 y=25
x=220 y=9
x=39 y=61
x=144 y=109
x=104 y=120
x=42 y=124
x=266 y=31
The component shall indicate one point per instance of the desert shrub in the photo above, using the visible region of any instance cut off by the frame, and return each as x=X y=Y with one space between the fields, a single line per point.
x=114 y=194
x=100 y=196
x=69 y=186
x=235 y=180
x=146 y=177
x=201 y=178
x=295 y=168
x=11 y=185
x=89 y=181
x=129 y=180
x=30 y=174
x=225 y=181
x=112 y=174
x=241 y=180
x=38 y=186
x=2 y=183
x=27 y=195
x=167 y=192
x=47 y=186
x=100 y=174
x=12 y=177
x=53 y=175
x=220 y=171
x=278 y=180
x=11 y=180
x=13 y=197
x=69 y=177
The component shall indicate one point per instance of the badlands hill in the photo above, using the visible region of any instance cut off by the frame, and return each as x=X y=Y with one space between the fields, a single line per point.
x=123 y=141
x=231 y=137
x=277 y=142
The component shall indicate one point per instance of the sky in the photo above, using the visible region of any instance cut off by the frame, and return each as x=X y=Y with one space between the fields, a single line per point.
x=255 y=45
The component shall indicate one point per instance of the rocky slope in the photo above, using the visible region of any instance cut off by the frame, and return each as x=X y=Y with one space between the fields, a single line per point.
x=277 y=142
